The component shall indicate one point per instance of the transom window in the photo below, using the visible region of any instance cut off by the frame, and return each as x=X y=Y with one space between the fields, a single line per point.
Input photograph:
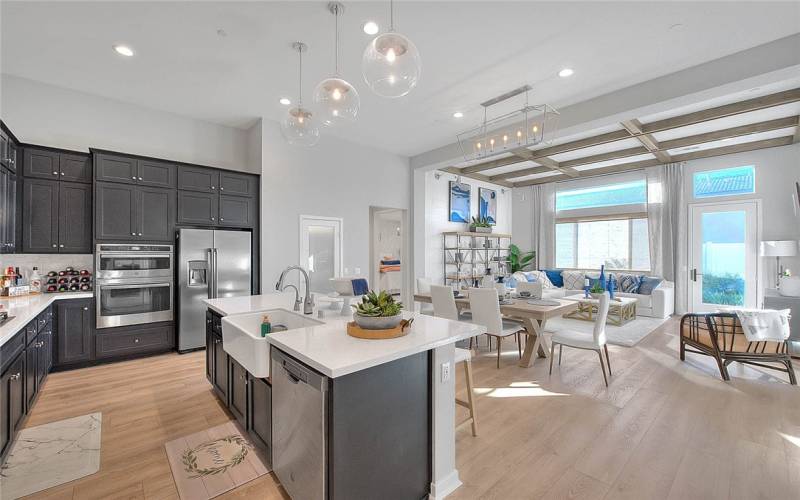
x=625 y=193
x=725 y=182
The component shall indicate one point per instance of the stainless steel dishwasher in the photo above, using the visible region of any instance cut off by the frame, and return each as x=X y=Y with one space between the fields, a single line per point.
x=299 y=421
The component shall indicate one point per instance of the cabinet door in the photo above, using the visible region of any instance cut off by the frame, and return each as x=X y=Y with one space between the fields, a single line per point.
x=46 y=355
x=115 y=209
x=40 y=216
x=156 y=214
x=209 y=349
x=42 y=163
x=76 y=168
x=75 y=340
x=259 y=417
x=201 y=179
x=238 y=395
x=16 y=393
x=31 y=372
x=236 y=211
x=74 y=218
x=220 y=369
x=11 y=213
x=4 y=210
x=197 y=208
x=4 y=143
x=114 y=168
x=157 y=174
x=5 y=403
x=13 y=151
x=237 y=184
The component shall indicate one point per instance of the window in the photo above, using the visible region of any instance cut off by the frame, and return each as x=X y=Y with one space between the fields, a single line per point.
x=617 y=244
x=725 y=182
x=625 y=193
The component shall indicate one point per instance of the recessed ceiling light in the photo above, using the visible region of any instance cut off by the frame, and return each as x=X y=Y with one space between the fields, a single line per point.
x=458 y=114
x=370 y=27
x=285 y=101
x=123 y=50
x=566 y=72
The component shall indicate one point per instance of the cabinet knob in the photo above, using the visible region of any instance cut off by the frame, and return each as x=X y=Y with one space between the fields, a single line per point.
x=221 y=219
x=213 y=218
x=55 y=173
x=133 y=234
x=212 y=187
x=54 y=246
x=140 y=178
x=15 y=376
x=135 y=341
x=140 y=234
x=85 y=308
x=221 y=188
x=61 y=246
x=62 y=173
x=134 y=177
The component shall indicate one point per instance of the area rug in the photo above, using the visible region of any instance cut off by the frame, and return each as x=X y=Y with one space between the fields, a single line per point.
x=210 y=462
x=51 y=454
x=627 y=335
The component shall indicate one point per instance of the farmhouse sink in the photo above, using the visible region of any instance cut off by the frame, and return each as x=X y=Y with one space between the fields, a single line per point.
x=241 y=336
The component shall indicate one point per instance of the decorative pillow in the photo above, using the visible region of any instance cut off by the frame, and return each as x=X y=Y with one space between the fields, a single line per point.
x=539 y=276
x=573 y=280
x=648 y=284
x=520 y=276
x=554 y=275
x=628 y=283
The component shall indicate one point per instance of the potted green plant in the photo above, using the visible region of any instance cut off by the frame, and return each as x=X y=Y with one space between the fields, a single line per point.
x=377 y=311
x=596 y=291
x=519 y=260
x=480 y=225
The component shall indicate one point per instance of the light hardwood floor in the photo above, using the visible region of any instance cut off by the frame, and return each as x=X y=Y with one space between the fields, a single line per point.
x=662 y=430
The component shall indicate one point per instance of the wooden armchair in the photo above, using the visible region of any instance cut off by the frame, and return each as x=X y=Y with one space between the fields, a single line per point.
x=720 y=336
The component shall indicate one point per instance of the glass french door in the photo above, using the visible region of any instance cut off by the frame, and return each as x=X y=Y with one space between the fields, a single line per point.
x=321 y=250
x=723 y=253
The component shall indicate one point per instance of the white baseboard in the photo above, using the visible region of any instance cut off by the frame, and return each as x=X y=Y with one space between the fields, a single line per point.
x=440 y=489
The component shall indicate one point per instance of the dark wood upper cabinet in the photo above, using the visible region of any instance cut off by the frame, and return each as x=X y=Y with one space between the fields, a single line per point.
x=115 y=212
x=10 y=158
x=42 y=163
x=236 y=211
x=40 y=216
x=200 y=179
x=115 y=168
x=156 y=214
x=75 y=335
x=75 y=218
x=8 y=211
x=75 y=168
x=233 y=184
x=157 y=174
x=197 y=208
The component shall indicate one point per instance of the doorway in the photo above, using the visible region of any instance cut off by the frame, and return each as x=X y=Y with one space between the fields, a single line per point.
x=723 y=255
x=388 y=251
x=321 y=250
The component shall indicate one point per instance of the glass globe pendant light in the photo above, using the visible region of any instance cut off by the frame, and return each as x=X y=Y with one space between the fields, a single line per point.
x=299 y=125
x=391 y=63
x=336 y=100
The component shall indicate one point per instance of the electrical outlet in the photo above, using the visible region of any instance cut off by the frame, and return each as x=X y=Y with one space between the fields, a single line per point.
x=445 y=372
x=358 y=271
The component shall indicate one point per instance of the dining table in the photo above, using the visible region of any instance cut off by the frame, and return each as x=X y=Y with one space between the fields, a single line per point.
x=532 y=316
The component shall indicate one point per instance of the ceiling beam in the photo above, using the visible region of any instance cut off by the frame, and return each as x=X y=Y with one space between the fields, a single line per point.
x=545 y=162
x=634 y=127
x=477 y=177
x=706 y=153
x=763 y=102
x=612 y=155
x=520 y=173
x=500 y=162
x=728 y=133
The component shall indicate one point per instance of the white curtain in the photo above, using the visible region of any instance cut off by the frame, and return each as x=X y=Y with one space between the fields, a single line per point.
x=543 y=203
x=666 y=220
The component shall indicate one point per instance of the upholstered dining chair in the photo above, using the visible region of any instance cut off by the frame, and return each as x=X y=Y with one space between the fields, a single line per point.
x=424 y=286
x=485 y=307
x=595 y=341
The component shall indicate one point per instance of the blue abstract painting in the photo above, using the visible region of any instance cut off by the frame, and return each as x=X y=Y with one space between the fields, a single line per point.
x=487 y=200
x=459 y=201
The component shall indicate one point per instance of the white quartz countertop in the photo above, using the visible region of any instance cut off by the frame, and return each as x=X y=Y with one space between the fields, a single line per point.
x=330 y=350
x=24 y=309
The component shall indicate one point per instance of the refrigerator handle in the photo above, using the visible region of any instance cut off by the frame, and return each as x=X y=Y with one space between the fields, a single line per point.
x=210 y=280
x=216 y=288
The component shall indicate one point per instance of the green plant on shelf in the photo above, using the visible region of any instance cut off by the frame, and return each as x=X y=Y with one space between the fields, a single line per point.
x=378 y=305
x=480 y=222
x=519 y=260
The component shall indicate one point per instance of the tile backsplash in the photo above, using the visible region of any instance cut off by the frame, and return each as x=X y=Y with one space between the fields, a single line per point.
x=46 y=262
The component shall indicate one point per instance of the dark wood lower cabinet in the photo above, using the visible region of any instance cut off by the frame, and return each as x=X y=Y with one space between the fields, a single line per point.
x=75 y=339
x=12 y=402
x=259 y=415
x=134 y=340
x=238 y=391
x=220 y=375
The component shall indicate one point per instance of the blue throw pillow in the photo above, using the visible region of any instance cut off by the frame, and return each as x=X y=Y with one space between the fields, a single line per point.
x=554 y=275
x=648 y=284
x=628 y=283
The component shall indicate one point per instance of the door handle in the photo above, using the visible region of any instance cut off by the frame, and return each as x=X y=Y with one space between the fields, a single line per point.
x=693 y=274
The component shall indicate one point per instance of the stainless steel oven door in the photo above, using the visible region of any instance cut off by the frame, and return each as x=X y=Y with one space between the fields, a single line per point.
x=123 y=302
x=127 y=261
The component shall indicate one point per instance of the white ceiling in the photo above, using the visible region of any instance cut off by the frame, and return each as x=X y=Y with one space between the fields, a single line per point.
x=471 y=51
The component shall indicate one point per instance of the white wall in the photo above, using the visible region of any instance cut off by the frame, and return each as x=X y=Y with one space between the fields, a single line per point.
x=777 y=169
x=436 y=204
x=44 y=114
x=335 y=178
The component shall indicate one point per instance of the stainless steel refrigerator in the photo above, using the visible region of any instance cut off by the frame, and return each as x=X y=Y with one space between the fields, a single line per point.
x=211 y=264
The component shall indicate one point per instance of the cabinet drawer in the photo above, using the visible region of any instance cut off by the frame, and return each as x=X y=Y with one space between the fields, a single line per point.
x=11 y=348
x=133 y=341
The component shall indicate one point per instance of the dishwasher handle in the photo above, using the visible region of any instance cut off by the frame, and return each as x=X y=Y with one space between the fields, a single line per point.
x=298 y=373
x=295 y=373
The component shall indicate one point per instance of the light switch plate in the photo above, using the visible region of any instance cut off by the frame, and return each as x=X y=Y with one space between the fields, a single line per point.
x=445 y=372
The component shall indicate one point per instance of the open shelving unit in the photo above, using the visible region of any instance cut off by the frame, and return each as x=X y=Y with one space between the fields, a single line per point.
x=468 y=254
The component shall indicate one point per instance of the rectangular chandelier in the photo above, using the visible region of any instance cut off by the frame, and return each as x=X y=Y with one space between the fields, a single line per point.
x=523 y=128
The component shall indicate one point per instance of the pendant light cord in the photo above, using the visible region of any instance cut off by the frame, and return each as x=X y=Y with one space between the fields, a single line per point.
x=336 y=58
x=391 y=15
x=300 y=79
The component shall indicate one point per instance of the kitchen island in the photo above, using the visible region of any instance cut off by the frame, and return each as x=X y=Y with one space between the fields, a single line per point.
x=349 y=418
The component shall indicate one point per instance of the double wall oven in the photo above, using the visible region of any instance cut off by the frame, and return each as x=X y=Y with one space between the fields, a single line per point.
x=134 y=284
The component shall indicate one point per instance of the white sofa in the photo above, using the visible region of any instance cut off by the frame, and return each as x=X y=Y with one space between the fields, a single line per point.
x=661 y=304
